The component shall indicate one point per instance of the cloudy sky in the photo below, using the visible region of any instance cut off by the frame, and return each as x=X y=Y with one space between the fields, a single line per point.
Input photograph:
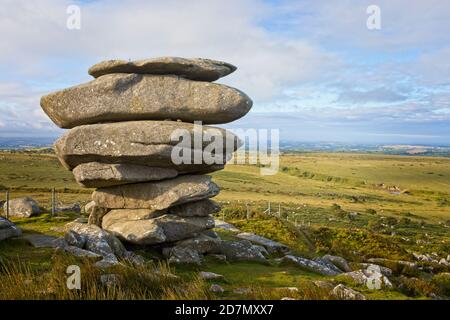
x=313 y=68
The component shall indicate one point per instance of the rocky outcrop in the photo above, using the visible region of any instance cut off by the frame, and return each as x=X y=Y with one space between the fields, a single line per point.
x=8 y=229
x=22 y=207
x=194 y=69
x=129 y=97
x=136 y=135
x=270 y=245
x=344 y=293
x=309 y=265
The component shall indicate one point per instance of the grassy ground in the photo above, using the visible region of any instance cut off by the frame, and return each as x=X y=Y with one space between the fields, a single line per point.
x=354 y=205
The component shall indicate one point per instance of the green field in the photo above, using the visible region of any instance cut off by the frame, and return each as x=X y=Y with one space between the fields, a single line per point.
x=358 y=206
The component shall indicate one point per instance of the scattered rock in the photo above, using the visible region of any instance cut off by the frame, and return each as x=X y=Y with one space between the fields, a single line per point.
x=242 y=291
x=96 y=175
x=210 y=276
x=215 y=288
x=22 y=207
x=38 y=240
x=371 y=277
x=202 y=244
x=384 y=270
x=308 y=265
x=339 y=262
x=409 y=264
x=8 y=229
x=242 y=250
x=179 y=255
x=219 y=224
x=287 y=298
x=109 y=280
x=270 y=245
x=344 y=293
x=324 y=284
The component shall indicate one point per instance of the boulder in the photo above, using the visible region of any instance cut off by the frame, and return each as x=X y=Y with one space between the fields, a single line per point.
x=22 y=207
x=194 y=69
x=225 y=226
x=383 y=270
x=370 y=277
x=140 y=226
x=75 y=239
x=178 y=255
x=157 y=195
x=126 y=97
x=201 y=243
x=270 y=245
x=210 y=276
x=215 y=288
x=344 y=293
x=100 y=242
x=339 y=262
x=81 y=253
x=95 y=213
x=8 y=229
x=200 y=208
x=242 y=250
x=309 y=265
x=96 y=174
x=148 y=143
x=38 y=240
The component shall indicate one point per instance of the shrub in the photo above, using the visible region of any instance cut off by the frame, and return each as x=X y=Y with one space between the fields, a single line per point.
x=442 y=282
x=415 y=287
x=371 y=211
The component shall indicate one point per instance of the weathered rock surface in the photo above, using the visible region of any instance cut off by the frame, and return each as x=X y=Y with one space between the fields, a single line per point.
x=270 y=245
x=200 y=208
x=22 y=207
x=344 y=293
x=179 y=255
x=215 y=288
x=157 y=195
x=225 y=226
x=339 y=262
x=148 y=143
x=308 y=265
x=38 y=240
x=140 y=227
x=96 y=174
x=194 y=69
x=371 y=277
x=242 y=250
x=100 y=242
x=8 y=229
x=210 y=276
x=201 y=243
x=95 y=213
x=125 y=97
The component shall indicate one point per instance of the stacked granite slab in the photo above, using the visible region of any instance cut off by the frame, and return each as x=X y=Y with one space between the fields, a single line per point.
x=120 y=142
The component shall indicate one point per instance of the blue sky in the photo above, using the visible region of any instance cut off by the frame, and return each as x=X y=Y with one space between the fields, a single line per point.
x=313 y=68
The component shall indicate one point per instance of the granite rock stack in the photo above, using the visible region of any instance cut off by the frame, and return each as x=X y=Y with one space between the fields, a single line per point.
x=121 y=142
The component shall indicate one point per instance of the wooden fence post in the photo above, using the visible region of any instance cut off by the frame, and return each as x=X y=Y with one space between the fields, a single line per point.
x=53 y=202
x=7 y=204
